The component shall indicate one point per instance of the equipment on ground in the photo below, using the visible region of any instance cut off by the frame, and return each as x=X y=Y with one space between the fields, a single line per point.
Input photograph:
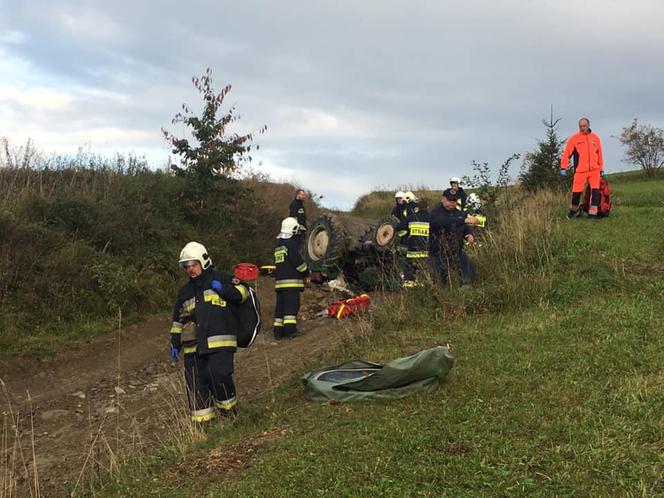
x=343 y=308
x=364 y=381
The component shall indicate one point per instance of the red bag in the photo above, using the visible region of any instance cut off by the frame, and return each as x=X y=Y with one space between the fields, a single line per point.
x=346 y=307
x=605 y=202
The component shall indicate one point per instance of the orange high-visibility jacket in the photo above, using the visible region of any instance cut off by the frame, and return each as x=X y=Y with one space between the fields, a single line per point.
x=587 y=152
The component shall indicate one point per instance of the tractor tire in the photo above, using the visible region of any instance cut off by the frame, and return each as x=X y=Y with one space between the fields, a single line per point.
x=326 y=242
x=381 y=236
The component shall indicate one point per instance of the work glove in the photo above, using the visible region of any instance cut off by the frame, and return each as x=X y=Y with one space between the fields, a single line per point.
x=563 y=172
x=175 y=354
x=216 y=286
x=601 y=173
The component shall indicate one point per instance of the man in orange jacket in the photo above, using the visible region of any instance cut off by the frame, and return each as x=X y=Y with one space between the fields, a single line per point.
x=586 y=148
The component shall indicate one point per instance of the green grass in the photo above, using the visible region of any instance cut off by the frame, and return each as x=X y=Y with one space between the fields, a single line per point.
x=560 y=395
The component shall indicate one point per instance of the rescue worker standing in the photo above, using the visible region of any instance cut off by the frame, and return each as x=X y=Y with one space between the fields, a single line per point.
x=449 y=230
x=207 y=300
x=458 y=192
x=399 y=210
x=416 y=228
x=296 y=210
x=290 y=271
x=586 y=149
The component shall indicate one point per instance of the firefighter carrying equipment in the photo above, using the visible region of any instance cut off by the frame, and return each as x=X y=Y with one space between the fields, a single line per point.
x=586 y=149
x=343 y=308
x=195 y=251
x=216 y=322
x=364 y=381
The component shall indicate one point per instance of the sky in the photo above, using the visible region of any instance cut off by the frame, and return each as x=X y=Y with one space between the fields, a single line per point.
x=355 y=95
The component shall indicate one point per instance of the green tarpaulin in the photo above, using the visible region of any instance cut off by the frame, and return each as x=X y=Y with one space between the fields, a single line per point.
x=361 y=381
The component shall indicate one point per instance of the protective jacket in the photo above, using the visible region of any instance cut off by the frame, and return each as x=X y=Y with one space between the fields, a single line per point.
x=216 y=324
x=448 y=229
x=296 y=210
x=399 y=212
x=586 y=149
x=415 y=226
x=290 y=268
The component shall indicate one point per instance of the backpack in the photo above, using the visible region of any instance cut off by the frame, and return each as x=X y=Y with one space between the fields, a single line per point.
x=605 y=202
x=248 y=316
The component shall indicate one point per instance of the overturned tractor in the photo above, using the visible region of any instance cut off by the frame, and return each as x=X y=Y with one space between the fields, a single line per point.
x=362 y=250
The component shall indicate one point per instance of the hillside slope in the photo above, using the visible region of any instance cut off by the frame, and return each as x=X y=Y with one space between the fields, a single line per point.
x=558 y=388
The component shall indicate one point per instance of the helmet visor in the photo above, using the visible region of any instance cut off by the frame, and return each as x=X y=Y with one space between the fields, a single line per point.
x=189 y=263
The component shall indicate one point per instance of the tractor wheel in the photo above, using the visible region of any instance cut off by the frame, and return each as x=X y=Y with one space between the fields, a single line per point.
x=381 y=236
x=326 y=242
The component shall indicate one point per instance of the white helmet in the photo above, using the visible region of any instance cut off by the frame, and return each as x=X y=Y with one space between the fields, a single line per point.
x=473 y=203
x=289 y=227
x=409 y=196
x=400 y=194
x=455 y=179
x=195 y=251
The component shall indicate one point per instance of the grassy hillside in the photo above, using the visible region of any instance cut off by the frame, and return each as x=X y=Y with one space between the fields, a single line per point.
x=82 y=239
x=558 y=388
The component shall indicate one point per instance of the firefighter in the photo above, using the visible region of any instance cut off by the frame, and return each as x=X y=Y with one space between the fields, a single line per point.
x=399 y=210
x=289 y=276
x=586 y=149
x=207 y=299
x=416 y=224
x=449 y=230
x=296 y=210
x=458 y=192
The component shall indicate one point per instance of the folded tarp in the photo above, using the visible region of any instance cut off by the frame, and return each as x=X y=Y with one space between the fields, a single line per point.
x=363 y=381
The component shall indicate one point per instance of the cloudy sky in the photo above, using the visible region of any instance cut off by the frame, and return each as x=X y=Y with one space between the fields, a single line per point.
x=356 y=95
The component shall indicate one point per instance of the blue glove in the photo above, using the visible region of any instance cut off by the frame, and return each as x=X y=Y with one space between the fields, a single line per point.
x=563 y=172
x=216 y=286
x=175 y=354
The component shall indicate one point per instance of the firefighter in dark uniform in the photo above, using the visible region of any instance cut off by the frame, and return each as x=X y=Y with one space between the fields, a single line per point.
x=415 y=228
x=450 y=228
x=296 y=210
x=289 y=274
x=399 y=210
x=207 y=300
x=460 y=194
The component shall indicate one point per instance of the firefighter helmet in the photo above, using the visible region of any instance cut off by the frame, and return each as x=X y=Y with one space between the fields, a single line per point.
x=409 y=197
x=289 y=227
x=455 y=179
x=400 y=194
x=195 y=251
x=473 y=203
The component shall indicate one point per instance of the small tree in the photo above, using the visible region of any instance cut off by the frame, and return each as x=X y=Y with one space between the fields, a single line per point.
x=214 y=152
x=644 y=146
x=541 y=167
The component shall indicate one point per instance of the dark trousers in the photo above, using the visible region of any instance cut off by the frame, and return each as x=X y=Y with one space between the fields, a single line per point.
x=285 y=313
x=445 y=265
x=209 y=380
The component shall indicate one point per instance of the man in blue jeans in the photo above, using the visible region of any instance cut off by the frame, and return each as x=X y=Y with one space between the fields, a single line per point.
x=449 y=229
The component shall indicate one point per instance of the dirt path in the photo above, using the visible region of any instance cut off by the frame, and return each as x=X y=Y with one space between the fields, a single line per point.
x=85 y=405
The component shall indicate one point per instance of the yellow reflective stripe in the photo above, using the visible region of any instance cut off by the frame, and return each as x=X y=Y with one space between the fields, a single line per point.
x=302 y=268
x=402 y=233
x=408 y=285
x=418 y=229
x=243 y=290
x=289 y=286
x=290 y=320
x=188 y=306
x=227 y=404
x=341 y=308
x=417 y=254
x=210 y=296
x=176 y=328
x=203 y=415
x=189 y=349
x=278 y=324
x=222 y=341
x=280 y=254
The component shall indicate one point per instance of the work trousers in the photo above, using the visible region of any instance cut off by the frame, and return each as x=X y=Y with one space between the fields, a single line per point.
x=285 y=313
x=444 y=265
x=579 y=182
x=209 y=381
